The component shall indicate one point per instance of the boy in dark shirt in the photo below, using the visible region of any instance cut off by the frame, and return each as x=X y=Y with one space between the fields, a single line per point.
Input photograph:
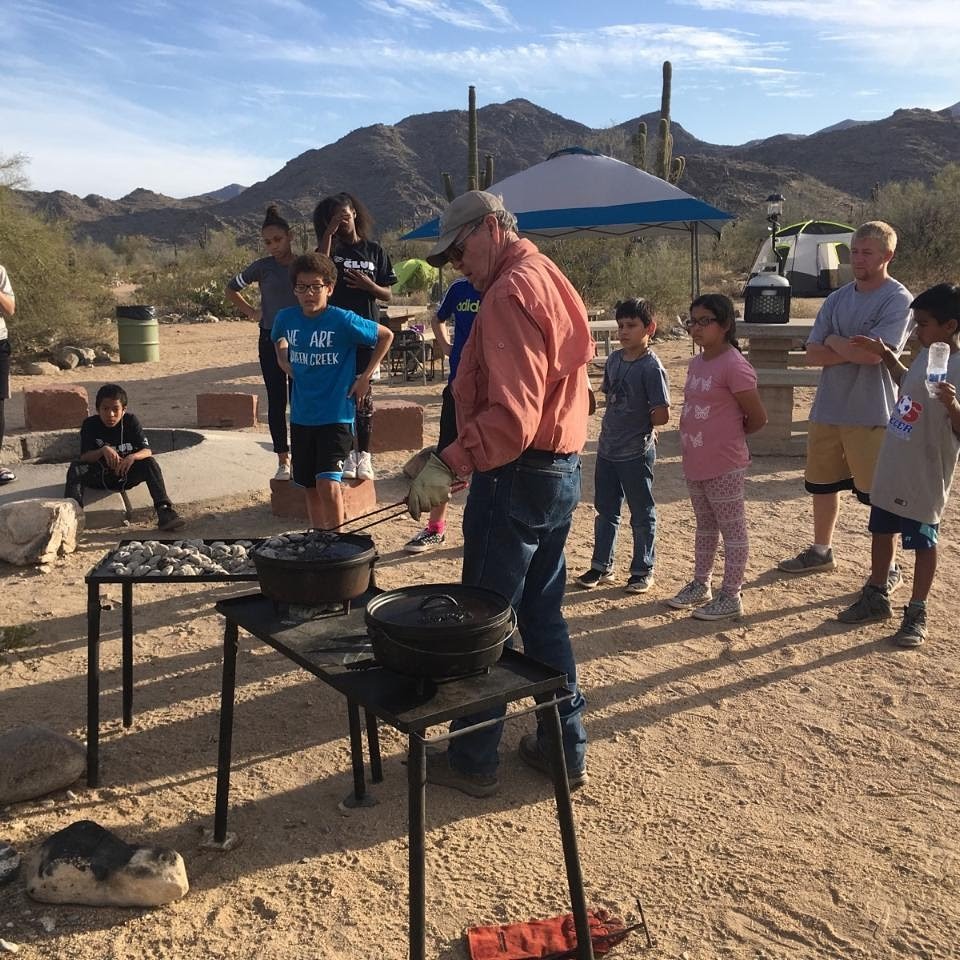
x=115 y=455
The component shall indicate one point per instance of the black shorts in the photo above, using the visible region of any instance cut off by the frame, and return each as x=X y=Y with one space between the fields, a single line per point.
x=914 y=534
x=4 y=370
x=448 y=419
x=319 y=452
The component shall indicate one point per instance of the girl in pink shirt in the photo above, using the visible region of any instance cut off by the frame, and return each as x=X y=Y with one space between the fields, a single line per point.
x=721 y=406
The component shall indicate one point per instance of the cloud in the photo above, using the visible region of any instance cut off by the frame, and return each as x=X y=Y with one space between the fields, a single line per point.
x=921 y=33
x=471 y=15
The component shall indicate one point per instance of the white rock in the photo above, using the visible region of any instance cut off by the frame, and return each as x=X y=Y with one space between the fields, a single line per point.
x=84 y=863
x=38 y=531
x=7 y=946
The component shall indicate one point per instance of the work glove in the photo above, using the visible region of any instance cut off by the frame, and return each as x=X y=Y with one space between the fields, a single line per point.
x=431 y=487
x=417 y=462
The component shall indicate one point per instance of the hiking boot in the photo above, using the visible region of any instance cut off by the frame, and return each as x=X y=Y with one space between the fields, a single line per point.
x=894 y=579
x=424 y=540
x=169 y=519
x=533 y=756
x=722 y=607
x=872 y=604
x=693 y=594
x=364 y=466
x=808 y=561
x=350 y=466
x=440 y=773
x=592 y=577
x=913 y=628
x=640 y=583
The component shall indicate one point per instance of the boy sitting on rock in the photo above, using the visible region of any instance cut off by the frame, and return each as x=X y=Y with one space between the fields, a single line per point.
x=115 y=455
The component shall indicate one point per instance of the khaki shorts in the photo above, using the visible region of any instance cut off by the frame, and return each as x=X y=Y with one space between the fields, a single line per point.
x=841 y=458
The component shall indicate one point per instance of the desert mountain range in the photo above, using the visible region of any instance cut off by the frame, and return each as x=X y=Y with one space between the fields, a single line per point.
x=396 y=170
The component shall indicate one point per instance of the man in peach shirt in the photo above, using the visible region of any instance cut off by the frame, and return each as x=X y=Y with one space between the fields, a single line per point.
x=522 y=399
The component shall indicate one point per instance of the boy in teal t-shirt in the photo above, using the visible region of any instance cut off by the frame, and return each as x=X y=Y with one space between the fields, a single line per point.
x=316 y=346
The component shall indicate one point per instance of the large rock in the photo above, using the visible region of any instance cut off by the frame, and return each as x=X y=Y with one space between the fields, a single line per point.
x=84 y=863
x=55 y=408
x=38 y=531
x=37 y=761
x=41 y=368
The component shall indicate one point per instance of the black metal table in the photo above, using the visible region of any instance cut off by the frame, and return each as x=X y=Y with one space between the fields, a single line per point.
x=329 y=648
x=99 y=575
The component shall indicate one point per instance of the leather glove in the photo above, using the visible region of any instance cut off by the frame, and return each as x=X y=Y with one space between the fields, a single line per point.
x=431 y=487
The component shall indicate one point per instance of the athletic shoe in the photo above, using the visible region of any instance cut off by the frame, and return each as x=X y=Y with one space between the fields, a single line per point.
x=283 y=471
x=440 y=772
x=808 y=561
x=894 y=579
x=640 y=583
x=694 y=594
x=350 y=465
x=533 y=756
x=424 y=540
x=6 y=475
x=169 y=519
x=913 y=628
x=364 y=466
x=592 y=577
x=721 y=607
x=872 y=604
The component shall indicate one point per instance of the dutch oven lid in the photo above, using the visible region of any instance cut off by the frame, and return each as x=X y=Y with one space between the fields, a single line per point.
x=315 y=547
x=439 y=606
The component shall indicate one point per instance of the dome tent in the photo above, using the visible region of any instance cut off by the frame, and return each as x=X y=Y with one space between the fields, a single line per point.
x=815 y=254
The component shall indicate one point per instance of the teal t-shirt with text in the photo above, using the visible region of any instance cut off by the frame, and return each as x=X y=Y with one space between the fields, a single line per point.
x=322 y=351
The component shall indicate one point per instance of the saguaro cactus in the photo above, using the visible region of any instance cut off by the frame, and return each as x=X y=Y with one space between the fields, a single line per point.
x=476 y=179
x=668 y=167
x=640 y=147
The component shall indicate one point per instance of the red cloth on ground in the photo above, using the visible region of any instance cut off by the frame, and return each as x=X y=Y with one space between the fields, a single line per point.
x=538 y=939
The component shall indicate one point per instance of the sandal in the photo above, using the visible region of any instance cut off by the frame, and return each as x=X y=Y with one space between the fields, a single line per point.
x=7 y=476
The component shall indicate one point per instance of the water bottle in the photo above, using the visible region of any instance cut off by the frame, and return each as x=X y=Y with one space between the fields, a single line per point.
x=938 y=355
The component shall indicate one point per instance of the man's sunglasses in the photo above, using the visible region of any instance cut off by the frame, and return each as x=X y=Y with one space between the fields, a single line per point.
x=455 y=250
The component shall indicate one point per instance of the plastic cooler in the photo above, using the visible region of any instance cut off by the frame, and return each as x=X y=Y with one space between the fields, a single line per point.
x=767 y=299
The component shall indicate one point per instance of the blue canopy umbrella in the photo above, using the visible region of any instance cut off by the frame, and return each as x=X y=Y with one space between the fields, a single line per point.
x=577 y=191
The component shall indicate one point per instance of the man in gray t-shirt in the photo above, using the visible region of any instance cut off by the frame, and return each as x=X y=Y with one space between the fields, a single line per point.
x=856 y=394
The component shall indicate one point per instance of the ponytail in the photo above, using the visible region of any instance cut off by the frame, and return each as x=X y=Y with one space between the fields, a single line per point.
x=273 y=219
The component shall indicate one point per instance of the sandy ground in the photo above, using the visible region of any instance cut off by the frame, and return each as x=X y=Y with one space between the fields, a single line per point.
x=778 y=786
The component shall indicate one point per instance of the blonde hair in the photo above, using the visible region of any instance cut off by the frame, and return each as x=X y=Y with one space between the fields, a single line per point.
x=878 y=230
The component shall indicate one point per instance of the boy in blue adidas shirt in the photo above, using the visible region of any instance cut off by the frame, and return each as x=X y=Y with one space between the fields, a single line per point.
x=317 y=346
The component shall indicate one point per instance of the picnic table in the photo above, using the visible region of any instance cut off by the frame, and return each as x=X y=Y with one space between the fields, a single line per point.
x=776 y=351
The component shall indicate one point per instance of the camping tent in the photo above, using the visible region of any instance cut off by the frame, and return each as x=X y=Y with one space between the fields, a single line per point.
x=414 y=275
x=576 y=191
x=815 y=255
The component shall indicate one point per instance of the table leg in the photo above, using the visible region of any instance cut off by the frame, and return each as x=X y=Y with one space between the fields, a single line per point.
x=568 y=836
x=93 y=684
x=416 y=803
x=359 y=797
x=126 y=645
x=227 y=691
x=373 y=748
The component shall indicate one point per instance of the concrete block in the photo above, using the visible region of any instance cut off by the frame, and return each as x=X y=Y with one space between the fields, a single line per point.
x=289 y=500
x=55 y=408
x=232 y=410
x=397 y=425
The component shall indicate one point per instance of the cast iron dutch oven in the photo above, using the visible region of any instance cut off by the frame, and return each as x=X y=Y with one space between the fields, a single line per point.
x=332 y=569
x=439 y=629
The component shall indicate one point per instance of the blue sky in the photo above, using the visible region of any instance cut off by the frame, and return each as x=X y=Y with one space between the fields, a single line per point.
x=184 y=97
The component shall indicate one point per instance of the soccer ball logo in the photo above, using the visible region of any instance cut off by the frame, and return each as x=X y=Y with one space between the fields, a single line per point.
x=908 y=410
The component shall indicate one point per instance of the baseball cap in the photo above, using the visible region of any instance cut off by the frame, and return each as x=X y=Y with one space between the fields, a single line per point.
x=467 y=208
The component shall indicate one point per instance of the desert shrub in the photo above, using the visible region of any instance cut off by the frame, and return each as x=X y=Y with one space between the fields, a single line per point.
x=59 y=297
x=926 y=217
x=192 y=279
x=607 y=269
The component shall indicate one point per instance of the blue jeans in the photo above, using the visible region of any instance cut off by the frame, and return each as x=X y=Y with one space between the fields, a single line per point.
x=613 y=480
x=515 y=527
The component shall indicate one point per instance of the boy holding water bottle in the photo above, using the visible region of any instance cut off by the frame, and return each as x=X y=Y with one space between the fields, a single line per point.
x=916 y=462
